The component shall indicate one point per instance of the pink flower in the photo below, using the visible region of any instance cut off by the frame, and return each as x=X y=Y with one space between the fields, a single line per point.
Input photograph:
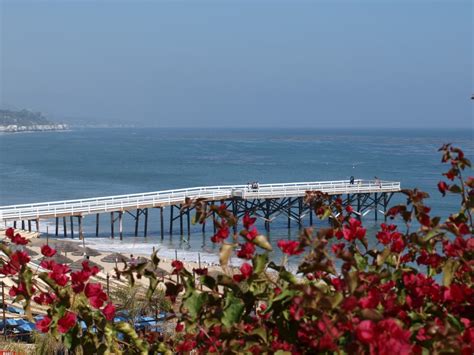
x=178 y=266
x=365 y=331
x=109 y=311
x=67 y=322
x=45 y=298
x=248 y=221
x=47 y=251
x=246 y=270
x=10 y=232
x=290 y=247
x=246 y=251
x=19 y=240
x=94 y=293
x=43 y=324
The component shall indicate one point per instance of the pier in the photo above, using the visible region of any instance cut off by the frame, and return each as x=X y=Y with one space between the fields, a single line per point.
x=267 y=201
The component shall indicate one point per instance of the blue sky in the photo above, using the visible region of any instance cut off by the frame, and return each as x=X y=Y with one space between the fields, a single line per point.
x=241 y=63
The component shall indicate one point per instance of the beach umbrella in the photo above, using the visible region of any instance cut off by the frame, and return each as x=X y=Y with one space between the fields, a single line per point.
x=27 y=327
x=86 y=252
x=31 y=252
x=61 y=259
x=77 y=265
x=66 y=247
x=114 y=257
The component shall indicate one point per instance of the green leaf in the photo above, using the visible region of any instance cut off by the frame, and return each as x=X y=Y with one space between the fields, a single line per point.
x=194 y=304
x=233 y=309
x=455 y=189
x=455 y=322
x=288 y=276
x=352 y=279
x=261 y=333
x=130 y=333
x=361 y=261
x=449 y=269
x=336 y=299
x=259 y=262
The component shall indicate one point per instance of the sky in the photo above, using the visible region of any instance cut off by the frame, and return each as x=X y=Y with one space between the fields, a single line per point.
x=241 y=63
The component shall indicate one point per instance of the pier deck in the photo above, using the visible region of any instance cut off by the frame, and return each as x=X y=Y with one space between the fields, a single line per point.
x=83 y=207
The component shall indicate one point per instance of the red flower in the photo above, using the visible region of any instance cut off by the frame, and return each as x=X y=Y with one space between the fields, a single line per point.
x=178 y=266
x=290 y=247
x=58 y=274
x=47 y=251
x=365 y=331
x=442 y=187
x=221 y=234
x=337 y=248
x=45 y=298
x=248 y=221
x=94 y=293
x=10 y=232
x=109 y=311
x=179 y=327
x=43 y=324
x=352 y=231
x=246 y=270
x=90 y=270
x=201 y=271
x=20 y=290
x=19 y=258
x=19 y=240
x=66 y=322
x=251 y=234
x=186 y=346
x=246 y=250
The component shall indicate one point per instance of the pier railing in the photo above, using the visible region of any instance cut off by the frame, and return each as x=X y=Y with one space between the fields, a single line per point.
x=87 y=206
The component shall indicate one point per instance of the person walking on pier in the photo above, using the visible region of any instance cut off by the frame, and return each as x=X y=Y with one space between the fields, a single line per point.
x=351 y=180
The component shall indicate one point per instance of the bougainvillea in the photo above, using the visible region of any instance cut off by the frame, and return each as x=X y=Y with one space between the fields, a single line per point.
x=411 y=292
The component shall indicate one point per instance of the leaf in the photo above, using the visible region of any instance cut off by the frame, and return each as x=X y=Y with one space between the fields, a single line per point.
x=194 y=304
x=262 y=242
x=381 y=257
x=261 y=333
x=131 y=334
x=336 y=299
x=208 y=281
x=288 y=276
x=455 y=189
x=352 y=279
x=259 y=262
x=361 y=261
x=449 y=269
x=225 y=253
x=233 y=309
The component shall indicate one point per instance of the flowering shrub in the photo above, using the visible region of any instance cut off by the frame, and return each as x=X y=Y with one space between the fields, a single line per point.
x=410 y=293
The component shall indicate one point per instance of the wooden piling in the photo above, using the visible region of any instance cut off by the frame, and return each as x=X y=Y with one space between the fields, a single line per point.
x=171 y=219
x=145 y=228
x=162 y=227
x=64 y=227
x=137 y=218
x=29 y=225
x=23 y=225
x=72 y=226
x=56 y=231
x=120 y=214
x=376 y=203
x=81 y=232
x=97 y=225
x=188 y=221
x=37 y=225
x=14 y=224
x=180 y=220
x=112 y=225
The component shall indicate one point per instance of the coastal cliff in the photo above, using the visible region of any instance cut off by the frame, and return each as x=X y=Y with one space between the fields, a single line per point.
x=25 y=121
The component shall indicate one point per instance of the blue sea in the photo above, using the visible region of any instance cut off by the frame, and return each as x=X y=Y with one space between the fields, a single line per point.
x=81 y=163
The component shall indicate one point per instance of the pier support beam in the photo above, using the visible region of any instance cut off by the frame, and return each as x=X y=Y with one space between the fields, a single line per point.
x=64 y=227
x=180 y=220
x=23 y=225
x=120 y=218
x=137 y=218
x=188 y=221
x=72 y=226
x=162 y=227
x=56 y=231
x=37 y=225
x=97 y=225
x=29 y=225
x=79 y=222
x=112 y=225
x=171 y=219
x=145 y=228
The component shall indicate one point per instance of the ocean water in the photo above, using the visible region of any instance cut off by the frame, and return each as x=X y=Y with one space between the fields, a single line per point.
x=81 y=163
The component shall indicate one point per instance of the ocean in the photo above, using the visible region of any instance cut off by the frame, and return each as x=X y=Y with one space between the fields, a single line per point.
x=81 y=163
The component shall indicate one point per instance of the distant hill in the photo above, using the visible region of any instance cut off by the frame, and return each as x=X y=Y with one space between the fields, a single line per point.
x=24 y=120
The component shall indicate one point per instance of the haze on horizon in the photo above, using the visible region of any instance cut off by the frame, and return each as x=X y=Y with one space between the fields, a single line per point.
x=241 y=63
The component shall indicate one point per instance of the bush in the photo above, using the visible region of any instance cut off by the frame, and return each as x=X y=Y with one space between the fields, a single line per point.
x=411 y=293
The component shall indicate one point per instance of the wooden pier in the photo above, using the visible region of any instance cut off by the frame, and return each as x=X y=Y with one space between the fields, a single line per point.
x=267 y=201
